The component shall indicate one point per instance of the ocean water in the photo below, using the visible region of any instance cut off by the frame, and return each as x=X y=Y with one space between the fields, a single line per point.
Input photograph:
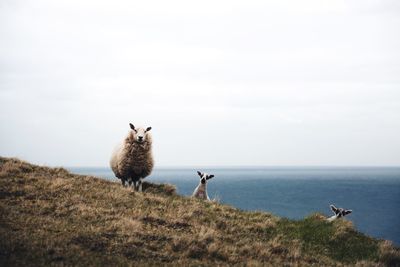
x=372 y=193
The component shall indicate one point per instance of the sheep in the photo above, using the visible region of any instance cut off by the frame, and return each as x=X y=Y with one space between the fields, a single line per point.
x=201 y=190
x=339 y=212
x=132 y=160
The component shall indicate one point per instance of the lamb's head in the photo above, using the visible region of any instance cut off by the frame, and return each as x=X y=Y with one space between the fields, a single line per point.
x=204 y=177
x=139 y=134
x=340 y=212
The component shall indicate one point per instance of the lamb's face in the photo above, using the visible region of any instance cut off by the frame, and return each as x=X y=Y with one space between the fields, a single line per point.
x=139 y=134
x=204 y=177
x=340 y=212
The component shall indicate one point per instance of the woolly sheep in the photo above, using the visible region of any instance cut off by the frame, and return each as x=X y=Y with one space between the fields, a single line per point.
x=339 y=212
x=132 y=160
x=201 y=190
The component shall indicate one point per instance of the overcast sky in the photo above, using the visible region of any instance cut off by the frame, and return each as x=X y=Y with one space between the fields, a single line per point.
x=221 y=82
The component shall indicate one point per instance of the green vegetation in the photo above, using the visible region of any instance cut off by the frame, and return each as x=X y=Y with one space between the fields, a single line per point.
x=50 y=216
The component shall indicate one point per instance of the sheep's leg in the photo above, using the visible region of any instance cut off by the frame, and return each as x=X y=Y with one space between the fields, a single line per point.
x=140 y=185
x=123 y=182
x=134 y=186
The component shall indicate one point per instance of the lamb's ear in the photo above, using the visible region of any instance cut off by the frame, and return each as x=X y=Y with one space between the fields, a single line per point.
x=132 y=127
x=210 y=176
x=334 y=209
x=148 y=129
x=199 y=173
x=347 y=212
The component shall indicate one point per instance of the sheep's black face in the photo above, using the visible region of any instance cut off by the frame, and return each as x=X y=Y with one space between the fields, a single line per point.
x=140 y=134
x=204 y=177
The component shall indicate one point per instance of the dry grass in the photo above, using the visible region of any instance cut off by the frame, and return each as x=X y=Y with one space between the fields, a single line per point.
x=49 y=216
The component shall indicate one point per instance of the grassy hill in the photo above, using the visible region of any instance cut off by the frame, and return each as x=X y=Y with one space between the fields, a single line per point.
x=50 y=216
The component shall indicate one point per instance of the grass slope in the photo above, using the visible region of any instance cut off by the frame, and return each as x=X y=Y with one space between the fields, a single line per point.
x=50 y=216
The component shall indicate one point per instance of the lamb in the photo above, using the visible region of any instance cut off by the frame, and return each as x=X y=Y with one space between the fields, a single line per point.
x=132 y=160
x=339 y=212
x=201 y=190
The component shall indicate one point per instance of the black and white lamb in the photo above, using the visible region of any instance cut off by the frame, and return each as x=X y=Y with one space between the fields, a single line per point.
x=339 y=212
x=201 y=190
x=132 y=160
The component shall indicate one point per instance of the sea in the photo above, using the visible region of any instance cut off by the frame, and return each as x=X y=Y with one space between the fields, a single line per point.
x=373 y=193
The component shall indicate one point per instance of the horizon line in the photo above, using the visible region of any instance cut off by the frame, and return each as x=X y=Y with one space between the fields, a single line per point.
x=247 y=166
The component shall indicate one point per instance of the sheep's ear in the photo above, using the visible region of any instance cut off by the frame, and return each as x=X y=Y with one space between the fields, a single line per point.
x=148 y=129
x=334 y=209
x=199 y=173
x=210 y=176
x=132 y=127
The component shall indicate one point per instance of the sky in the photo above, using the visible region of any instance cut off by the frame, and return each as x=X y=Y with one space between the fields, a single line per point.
x=221 y=83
